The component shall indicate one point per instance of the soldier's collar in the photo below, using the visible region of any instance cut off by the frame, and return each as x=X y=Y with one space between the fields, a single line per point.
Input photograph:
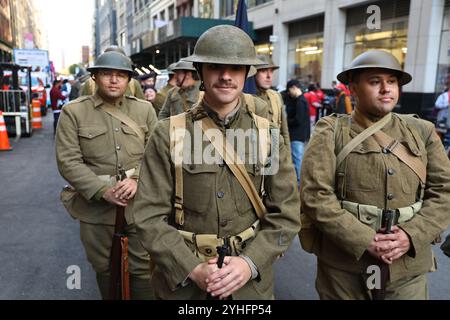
x=195 y=86
x=202 y=110
x=260 y=91
x=98 y=101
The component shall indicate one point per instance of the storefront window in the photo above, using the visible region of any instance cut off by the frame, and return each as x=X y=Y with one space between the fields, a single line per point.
x=305 y=50
x=392 y=37
x=305 y=58
x=228 y=7
x=264 y=49
x=206 y=9
x=443 y=71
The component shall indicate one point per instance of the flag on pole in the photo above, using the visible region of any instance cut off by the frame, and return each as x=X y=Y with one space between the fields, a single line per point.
x=241 y=22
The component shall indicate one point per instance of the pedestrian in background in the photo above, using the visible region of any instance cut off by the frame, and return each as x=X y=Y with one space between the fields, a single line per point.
x=56 y=101
x=298 y=122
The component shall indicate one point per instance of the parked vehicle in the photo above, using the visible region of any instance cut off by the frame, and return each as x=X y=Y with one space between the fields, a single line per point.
x=15 y=101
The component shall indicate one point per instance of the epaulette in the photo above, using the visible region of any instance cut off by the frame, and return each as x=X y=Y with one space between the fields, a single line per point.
x=131 y=97
x=78 y=100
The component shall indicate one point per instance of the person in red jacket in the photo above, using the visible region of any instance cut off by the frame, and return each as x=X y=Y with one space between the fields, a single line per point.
x=56 y=98
x=313 y=103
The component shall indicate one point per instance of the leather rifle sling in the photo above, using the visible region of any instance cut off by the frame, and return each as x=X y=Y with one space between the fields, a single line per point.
x=114 y=112
x=360 y=138
x=401 y=152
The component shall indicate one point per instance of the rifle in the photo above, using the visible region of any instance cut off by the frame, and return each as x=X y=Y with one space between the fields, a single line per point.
x=119 y=287
x=389 y=219
x=222 y=251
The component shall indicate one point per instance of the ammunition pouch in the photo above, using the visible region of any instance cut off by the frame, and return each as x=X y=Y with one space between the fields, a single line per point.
x=205 y=245
x=372 y=216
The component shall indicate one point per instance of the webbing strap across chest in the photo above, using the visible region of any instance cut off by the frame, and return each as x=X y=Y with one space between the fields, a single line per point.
x=122 y=117
x=386 y=142
x=177 y=133
x=276 y=107
x=226 y=151
x=177 y=129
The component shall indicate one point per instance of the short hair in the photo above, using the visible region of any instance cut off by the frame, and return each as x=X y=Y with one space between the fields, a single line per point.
x=293 y=83
x=149 y=87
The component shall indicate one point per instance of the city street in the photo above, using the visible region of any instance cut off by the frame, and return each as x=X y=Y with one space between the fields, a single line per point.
x=39 y=240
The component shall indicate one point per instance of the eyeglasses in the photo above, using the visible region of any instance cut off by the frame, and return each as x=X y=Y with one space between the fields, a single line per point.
x=109 y=74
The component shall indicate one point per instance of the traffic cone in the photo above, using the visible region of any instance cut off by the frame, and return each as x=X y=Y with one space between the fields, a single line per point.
x=4 y=142
x=37 y=119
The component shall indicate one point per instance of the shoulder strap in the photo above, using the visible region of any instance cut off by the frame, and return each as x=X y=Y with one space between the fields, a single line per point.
x=250 y=102
x=401 y=152
x=236 y=166
x=122 y=117
x=201 y=94
x=276 y=106
x=177 y=131
x=131 y=84
x=92 y=86
x=360 y=138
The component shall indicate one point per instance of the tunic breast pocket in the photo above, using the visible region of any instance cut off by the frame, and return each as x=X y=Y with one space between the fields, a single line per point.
x=93 y=141
x=242 y=201
x=364 y=170
x=133 y=143
x=199 y=188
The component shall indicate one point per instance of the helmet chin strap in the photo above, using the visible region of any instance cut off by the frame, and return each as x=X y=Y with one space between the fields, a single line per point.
x=182 y=81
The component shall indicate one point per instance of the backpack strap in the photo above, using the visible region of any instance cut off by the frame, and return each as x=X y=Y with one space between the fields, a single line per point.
x=226 y=151
x=341 y=139
x=250 y=103
x=122 y=117
x=349 y=146
x=177 y=132
x=420 y=139
x=276 y=107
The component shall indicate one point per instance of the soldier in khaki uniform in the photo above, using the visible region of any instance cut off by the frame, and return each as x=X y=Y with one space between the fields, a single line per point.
x=181 y=221
x=134 y=88
x=264 y=79
x=96 y=137
x=181 y=98
x=349 y=181
x=161 y=95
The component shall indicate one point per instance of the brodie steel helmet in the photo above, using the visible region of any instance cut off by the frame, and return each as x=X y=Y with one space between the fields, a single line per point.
x=375 y=59
x=112 y=60
x=225 y=44
x=184 y=65
x=268 y=63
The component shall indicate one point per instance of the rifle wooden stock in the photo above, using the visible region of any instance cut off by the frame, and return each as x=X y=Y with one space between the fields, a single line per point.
x=118 y=259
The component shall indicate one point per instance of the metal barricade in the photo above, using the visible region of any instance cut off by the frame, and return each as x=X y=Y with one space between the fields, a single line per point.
x=16 y=104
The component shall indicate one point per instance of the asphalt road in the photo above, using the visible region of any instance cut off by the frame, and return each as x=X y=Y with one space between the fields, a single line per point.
x=40 y=241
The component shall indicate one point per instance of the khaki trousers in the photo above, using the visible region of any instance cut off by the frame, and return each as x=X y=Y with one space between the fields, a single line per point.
x=335 y=284
x=97 y=241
